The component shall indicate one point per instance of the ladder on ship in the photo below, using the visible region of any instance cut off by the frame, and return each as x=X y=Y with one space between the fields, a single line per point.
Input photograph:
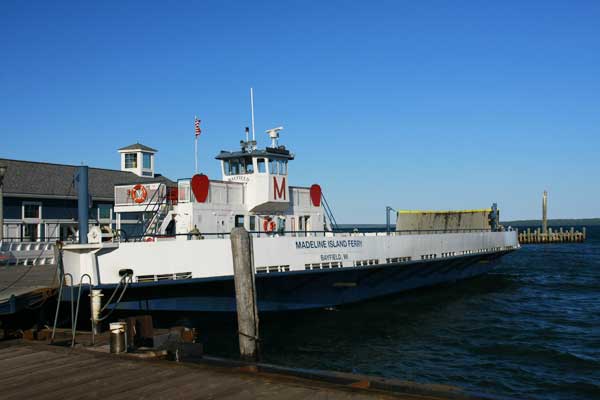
x=157 y=209
x=329 y=213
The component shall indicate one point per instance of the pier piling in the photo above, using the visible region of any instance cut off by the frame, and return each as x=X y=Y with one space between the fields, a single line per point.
x=545 y=212
x=245 y=294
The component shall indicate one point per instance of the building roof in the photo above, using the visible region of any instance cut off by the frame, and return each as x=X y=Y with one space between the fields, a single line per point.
x=40 y=179
x=138 y=146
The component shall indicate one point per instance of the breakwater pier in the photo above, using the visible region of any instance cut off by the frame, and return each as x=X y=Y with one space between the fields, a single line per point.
x=559 y=235
x=549 y=235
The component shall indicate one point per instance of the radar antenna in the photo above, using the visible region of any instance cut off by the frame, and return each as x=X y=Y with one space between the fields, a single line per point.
x=274 y=135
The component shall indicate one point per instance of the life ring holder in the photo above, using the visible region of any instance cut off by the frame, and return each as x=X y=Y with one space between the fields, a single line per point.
x=139 y=193
x=269 y=225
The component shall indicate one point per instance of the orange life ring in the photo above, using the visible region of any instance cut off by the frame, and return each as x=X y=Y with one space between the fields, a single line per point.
x=150 y=239
x=139 y=193
x=269 y=225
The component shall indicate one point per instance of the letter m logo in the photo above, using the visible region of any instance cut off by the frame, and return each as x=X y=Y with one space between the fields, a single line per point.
x=278 y=192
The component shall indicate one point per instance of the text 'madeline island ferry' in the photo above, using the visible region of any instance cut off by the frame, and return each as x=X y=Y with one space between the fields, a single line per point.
x=183 y=260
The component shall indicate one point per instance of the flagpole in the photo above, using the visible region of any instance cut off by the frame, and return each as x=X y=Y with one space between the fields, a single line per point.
x=196 y=146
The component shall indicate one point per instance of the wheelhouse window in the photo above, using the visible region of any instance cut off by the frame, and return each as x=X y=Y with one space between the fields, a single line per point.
x=278 y=167
x=260 y=164
x=249 y=165
x=282 y=167
x=238 y=166
x=233 y=167
x=131 y=160
x=252 y=226
x=147 y=161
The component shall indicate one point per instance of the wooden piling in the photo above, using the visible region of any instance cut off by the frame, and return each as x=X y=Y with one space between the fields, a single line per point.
x=545 y=212
x=245 y=294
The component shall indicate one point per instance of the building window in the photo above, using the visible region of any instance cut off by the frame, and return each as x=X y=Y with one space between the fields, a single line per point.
x=239 y=221
x=31 y=232
x=260 y=163
x=103 y=211
x=131 y=160
x=147 y=160
x=32 y=210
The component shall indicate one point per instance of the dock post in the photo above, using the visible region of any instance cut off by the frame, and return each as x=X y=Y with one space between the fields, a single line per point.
x=584 y=233
x=96 y=306
x=245 y=293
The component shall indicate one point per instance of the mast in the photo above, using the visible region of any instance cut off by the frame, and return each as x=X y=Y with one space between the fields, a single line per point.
x=252 y=111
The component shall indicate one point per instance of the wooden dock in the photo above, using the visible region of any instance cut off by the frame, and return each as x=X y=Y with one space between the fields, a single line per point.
x=26 y=286
x=41 y=371
x=552 y=236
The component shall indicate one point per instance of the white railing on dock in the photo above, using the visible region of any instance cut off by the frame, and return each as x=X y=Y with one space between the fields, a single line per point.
x=26 y=253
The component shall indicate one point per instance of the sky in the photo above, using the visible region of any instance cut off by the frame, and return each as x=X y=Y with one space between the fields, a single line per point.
x=415 y=105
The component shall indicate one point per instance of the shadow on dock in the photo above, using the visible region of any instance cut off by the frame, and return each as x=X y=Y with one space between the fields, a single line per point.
x=94 y=373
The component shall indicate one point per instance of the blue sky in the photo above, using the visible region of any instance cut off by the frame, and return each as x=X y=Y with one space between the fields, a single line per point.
x=417 y=105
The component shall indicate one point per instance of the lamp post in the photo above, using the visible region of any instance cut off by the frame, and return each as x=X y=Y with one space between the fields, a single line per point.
x=2 y=173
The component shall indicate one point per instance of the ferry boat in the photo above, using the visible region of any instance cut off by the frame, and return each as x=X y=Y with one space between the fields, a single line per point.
x=182 y=261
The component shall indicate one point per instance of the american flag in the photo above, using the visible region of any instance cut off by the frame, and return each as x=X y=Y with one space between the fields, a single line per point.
x=197 y=127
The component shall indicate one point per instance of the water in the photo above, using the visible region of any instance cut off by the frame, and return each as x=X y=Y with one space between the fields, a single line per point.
x=530 y=329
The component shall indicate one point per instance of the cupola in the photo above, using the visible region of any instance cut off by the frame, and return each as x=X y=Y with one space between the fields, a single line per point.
x=139 y=159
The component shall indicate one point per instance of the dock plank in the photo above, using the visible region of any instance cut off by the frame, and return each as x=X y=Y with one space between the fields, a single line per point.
x=101 y=378
x=47 y=380
x=48 y=361
x=46 y=372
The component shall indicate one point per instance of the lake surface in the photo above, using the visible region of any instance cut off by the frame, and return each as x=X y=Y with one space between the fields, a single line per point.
x=530 y=329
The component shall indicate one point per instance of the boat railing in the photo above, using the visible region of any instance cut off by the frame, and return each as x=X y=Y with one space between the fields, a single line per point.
x=300 y=234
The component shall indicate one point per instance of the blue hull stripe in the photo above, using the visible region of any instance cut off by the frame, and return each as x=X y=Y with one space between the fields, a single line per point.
x=306 y=289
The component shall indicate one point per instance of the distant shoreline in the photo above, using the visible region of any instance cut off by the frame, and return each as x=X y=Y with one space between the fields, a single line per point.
x=567 y=223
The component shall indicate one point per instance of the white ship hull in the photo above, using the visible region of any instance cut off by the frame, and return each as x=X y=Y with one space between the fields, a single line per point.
x=291 y=272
